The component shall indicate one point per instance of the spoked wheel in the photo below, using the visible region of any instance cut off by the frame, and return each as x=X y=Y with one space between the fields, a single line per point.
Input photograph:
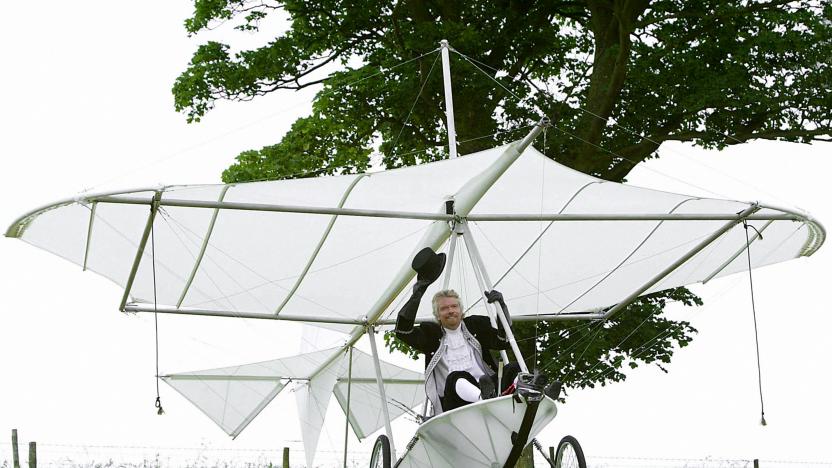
x=381 y=453
x=569 y=454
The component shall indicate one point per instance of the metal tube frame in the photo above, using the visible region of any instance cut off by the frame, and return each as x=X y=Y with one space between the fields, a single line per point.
x=276 y=378
x=449 y=98
x=203 y=247
x=89 y=236
x=783 y=216
x=347 y=424
x=154 y=208
x=572 y=217
x=449 y=264
x=479 y=275
x=476 y=258
x=371 y=334
x=758 y=234
x=134 y=308
x=318 y=247
x=670 y=269
x=438 y=233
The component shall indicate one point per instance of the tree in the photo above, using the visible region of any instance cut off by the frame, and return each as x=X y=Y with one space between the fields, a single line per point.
x=618 y=79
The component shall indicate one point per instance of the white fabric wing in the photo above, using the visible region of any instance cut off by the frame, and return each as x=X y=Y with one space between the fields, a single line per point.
x=312 y=398
x=403 y=388
x=310 y=266
x=233 y=396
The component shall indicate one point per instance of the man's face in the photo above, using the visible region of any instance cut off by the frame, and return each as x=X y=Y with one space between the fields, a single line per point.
x=449 y=312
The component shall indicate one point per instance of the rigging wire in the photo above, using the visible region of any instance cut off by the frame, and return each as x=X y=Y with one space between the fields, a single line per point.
x=415 y=101
x=647 y=345
x=588 y=328
x=248 y=322
x=512 y=267
x=263 y=365
x=628 y=130
x=166 y=216
x=324 y=169
x=754 y=314
x=626 y=258
x=634 y=163
x=283 y=110
x=588 y=376
x=158 y=403
x=586 y=348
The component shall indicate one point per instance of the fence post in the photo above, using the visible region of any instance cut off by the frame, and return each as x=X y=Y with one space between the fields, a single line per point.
x=15 y=454
x=285 y=457
x=33 y=455
x=756 y=463
x=552 y=453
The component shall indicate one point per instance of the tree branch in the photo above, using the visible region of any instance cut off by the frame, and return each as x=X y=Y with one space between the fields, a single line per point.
x=752 y=8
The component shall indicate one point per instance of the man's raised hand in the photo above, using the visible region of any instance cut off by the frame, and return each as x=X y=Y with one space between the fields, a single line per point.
x=494 y=296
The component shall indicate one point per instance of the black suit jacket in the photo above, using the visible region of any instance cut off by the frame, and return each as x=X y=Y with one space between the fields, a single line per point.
x=425 y=337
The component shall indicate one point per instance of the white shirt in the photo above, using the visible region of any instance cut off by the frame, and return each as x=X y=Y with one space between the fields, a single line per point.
x=458 y=355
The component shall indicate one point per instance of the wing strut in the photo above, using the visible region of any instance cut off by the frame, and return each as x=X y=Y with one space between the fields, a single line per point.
x=154 y=208
x=349 y=392
x=371 y=334
x=483 y=281
x=667 y=271
x=203 y=247
x=486 y=283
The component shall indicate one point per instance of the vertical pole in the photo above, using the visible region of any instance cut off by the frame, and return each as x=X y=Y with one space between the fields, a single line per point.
x=478 y=274
x=756 y=463
x=449 y=98
x=450 y=263
x=33 y=455
x=285 y=457
x=475 y=257
x=154 y=207
x=15 y=454
x=89 y=236
x=349 y=390
x=371 y=333
x=551 y=453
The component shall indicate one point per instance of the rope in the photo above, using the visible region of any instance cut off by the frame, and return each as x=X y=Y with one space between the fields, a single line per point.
x=158 y=403
x=754 y=314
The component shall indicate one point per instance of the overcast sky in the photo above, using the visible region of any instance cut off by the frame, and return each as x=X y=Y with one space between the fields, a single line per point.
x=86 y=105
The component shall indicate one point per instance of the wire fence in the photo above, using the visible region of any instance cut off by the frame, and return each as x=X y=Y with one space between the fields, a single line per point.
x=126 y=456
x=136 y=456
x=707 y=462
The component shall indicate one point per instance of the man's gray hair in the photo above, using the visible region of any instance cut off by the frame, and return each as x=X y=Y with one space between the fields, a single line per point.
x=444 y=293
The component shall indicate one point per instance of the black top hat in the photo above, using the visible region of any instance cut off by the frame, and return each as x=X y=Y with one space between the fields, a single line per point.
x=428 y=265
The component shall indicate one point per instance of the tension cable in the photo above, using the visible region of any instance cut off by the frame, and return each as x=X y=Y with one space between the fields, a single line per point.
x=754 y=314
x=158 y=403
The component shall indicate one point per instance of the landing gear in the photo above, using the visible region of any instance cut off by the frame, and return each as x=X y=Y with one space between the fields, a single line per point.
x=569 y=454
x=380 y=457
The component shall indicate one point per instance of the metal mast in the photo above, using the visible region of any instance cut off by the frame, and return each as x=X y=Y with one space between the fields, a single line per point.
x=449 y=98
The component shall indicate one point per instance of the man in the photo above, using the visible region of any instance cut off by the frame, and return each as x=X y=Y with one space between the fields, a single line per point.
x=459 y=369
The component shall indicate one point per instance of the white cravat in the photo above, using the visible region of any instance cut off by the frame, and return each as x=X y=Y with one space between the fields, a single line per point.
x=458 y=354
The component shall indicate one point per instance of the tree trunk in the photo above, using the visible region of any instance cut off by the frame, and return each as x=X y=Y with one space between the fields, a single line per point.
x=527 y=458
x=611 y=24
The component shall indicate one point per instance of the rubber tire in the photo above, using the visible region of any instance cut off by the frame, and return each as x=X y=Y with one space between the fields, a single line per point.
x=563 y=445
x=380 y=457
